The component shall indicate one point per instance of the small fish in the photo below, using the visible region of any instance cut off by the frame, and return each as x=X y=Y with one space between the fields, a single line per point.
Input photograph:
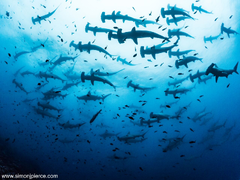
x=115 y=27
x=176 y=131
x=106 y=47
x=188 y=117
x=150 y=13
x=198 y=100
x=131 y=118
x=216 y=19
x=195 y=54
x=9 y=55
x=221 y=38
x=142 y=17
x=161 y=64
x=191 y=142
x=88 y=141
x=182 y=156
x=155 y=65
x=6 y=62
x=206 y=47
x=125 y=77
x=146 y=66
x=93 y=41
x=171 y=77
x=133 y=8
x=168 y=106
x=186 y=26
x=165 y=132
x=157 y=19
x=180 y=73
x=143 y=20
x=135 y=55
x=228 y=85
x=189 y=70
x=230 y=16
x=191 y=129
x=176 y=97
x=141 y=168
x=7 y=13
x=169 y=66
x=159 y=27
x=195 y=12
x=201 y=96
x=149 y=60
x=95 y=116
x=164 y=29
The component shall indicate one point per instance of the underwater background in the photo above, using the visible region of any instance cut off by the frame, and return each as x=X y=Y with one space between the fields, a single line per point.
x=60 y=115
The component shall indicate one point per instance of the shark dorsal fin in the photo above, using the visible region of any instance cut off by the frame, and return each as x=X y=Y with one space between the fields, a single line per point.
x=118 y=13
x=133 y=29
x=178 y=50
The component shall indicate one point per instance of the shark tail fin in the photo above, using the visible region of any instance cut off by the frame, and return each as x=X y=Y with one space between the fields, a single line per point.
x=163 y=12
x=142 y=51
x=33 y=20
x=103 y=17
x=106 y=96
x=235 y=68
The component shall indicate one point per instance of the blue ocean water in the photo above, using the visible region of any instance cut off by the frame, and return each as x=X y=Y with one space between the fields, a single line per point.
x=56 y=72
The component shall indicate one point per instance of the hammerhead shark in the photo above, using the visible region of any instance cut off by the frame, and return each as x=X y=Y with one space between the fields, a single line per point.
x=199 y=115
x=136 y=86
x=48 y=106
x=68 y=125
x=153 y=51
x=61 y=60
x=49 y=75
x=227 y=30
x=211 y=38
x=144 y=22
x=69 y=85
x=134 y=35
x=178 y=53
x=174 y=143
x=200 y=9
x=197 y=75
x=215 y=127
x=204 y=80
x=217 y=72
x=177 y=91
x=90 y=97
x=173 y=12
x=107 y=134
x=116 y=16
x=88 y=47
x=99 y=73
x=169 y=7
x=93 y=78
x=186 y=60
x=45 y=113
x=159 y=116
x=96 y=29
x=131 y=136
x=176 y=20
x=124 y=61
x=44 y=17
x=177 y=81
x=178 y=33
x=19 y=86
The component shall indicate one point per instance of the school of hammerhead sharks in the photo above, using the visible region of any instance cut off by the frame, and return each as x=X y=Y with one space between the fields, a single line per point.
x=173 y=15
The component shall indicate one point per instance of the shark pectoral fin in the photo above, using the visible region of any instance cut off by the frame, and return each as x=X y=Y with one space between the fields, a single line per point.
x=186 y=65
x=135 y=41
x=217 y=78
x=228 y=35
x=92 y=81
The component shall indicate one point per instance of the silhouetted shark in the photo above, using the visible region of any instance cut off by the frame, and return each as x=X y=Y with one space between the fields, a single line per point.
x=200 y=9
x=227 y=30
x=136 y=86
x=173 y=12
x=217 y=72
x=44 y=17
x=211 y=38
x=186 y=60
x=97 y=29
x=88 y=47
